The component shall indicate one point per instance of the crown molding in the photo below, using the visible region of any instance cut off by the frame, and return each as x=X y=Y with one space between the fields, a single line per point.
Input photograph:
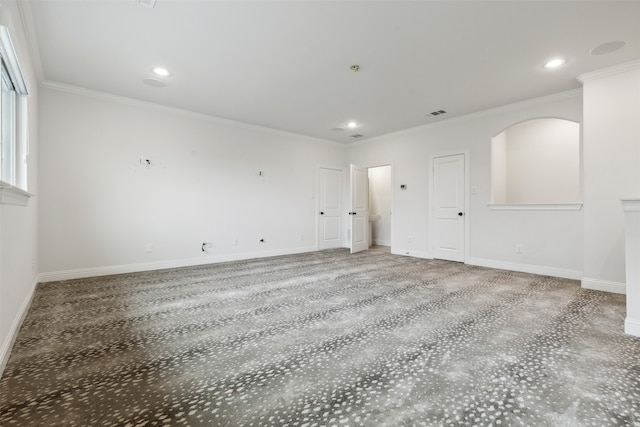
x=610 y=71
x=26 y=18
x=560 y=96
x=131 y=102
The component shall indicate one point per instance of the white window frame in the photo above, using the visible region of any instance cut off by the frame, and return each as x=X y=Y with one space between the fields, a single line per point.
x=13 y=187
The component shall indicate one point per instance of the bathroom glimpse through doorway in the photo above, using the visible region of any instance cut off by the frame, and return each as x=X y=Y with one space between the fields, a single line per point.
x=380 y=205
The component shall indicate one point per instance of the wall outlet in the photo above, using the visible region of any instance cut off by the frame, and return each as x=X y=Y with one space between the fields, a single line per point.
x=148 y=248
x=235 y=242
x=518 y=249
x=302 y=237
x=409 y=239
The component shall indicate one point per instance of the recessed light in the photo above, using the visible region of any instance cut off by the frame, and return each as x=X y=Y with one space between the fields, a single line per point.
x=608 y=47
x=555 y=63
x=161 y=71
x=352 y=125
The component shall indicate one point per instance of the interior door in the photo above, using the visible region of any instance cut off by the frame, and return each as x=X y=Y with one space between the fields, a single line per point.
x=449 y=208
x=329 y=208
x=359 y=209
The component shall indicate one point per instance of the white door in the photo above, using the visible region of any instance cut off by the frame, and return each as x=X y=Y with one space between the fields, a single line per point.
x=329 y=208
x=448 y=206
x=359 y=209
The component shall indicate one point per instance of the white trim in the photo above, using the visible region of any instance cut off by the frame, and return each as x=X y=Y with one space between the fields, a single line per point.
x=609 y=71
x=411 y=253
x=102 y=96
x=382 y=242
x=26 y=16
x=632 y=326
x=527 y=268
x=535 y=206
x=604 y=285
x=82 y=273
x=516 y=106
x=630 y=205
x=5 y=350
x=12 y=195
x=10 y=58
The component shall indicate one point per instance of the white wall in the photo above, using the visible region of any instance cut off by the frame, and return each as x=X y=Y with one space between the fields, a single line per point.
x=541 y=162
x=380 y=204
x=499 y=168
x=551 y=240
x=19 y=224
x=102 y=208
x=611 y=144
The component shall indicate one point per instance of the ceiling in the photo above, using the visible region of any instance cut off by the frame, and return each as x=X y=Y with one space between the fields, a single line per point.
x=286 y=64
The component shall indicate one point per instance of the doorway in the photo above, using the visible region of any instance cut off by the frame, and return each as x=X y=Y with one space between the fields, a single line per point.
x=380 y=205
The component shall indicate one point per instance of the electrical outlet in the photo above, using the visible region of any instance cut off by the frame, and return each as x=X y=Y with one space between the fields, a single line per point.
x=148 y=248
x=235 y=242
x=302 y=237
x=409 y=239
x=518 y=249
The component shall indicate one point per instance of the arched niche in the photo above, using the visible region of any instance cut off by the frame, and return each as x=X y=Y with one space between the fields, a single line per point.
x=536 y=162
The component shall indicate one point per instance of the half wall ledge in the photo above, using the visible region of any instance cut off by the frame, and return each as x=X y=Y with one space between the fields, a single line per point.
x=631 y=209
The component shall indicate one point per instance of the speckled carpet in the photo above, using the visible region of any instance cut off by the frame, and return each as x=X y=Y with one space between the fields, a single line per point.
x=323 y=339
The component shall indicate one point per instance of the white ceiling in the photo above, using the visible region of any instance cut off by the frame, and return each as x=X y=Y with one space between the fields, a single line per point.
x=286 y=64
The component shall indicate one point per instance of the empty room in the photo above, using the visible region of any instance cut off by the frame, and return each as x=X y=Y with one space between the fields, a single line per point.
x=319 y=213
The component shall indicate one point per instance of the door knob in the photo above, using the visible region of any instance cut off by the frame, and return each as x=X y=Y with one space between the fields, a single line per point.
x=460 y=214
x=321 y=213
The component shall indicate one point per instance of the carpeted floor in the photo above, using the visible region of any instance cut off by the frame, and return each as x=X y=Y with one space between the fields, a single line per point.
x=323 y=339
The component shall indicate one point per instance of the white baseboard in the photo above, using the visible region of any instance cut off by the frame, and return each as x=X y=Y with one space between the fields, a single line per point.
x=382 y=242
x=7 y=345
x=632 y=327
x=604 y=285
x=412 y=253
x=82 y=273
x=526 y=268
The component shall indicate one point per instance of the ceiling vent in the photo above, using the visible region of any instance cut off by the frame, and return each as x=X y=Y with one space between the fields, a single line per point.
x=356 y=135
x=148 y=3
x=437 y=113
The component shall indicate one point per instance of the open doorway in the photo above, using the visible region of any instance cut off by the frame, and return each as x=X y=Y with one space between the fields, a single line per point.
x=380 y=205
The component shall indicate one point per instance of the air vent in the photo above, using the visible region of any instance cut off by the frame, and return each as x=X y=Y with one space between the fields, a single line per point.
x=356 y=135
x=148 y=3
x=437 y=113
x=154 y=82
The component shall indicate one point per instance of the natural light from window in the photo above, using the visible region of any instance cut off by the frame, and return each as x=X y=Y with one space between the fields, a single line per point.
x=13 y=118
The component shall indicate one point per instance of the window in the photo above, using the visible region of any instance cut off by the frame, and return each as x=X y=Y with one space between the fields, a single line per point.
x=537 y=163
x=14 y=147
